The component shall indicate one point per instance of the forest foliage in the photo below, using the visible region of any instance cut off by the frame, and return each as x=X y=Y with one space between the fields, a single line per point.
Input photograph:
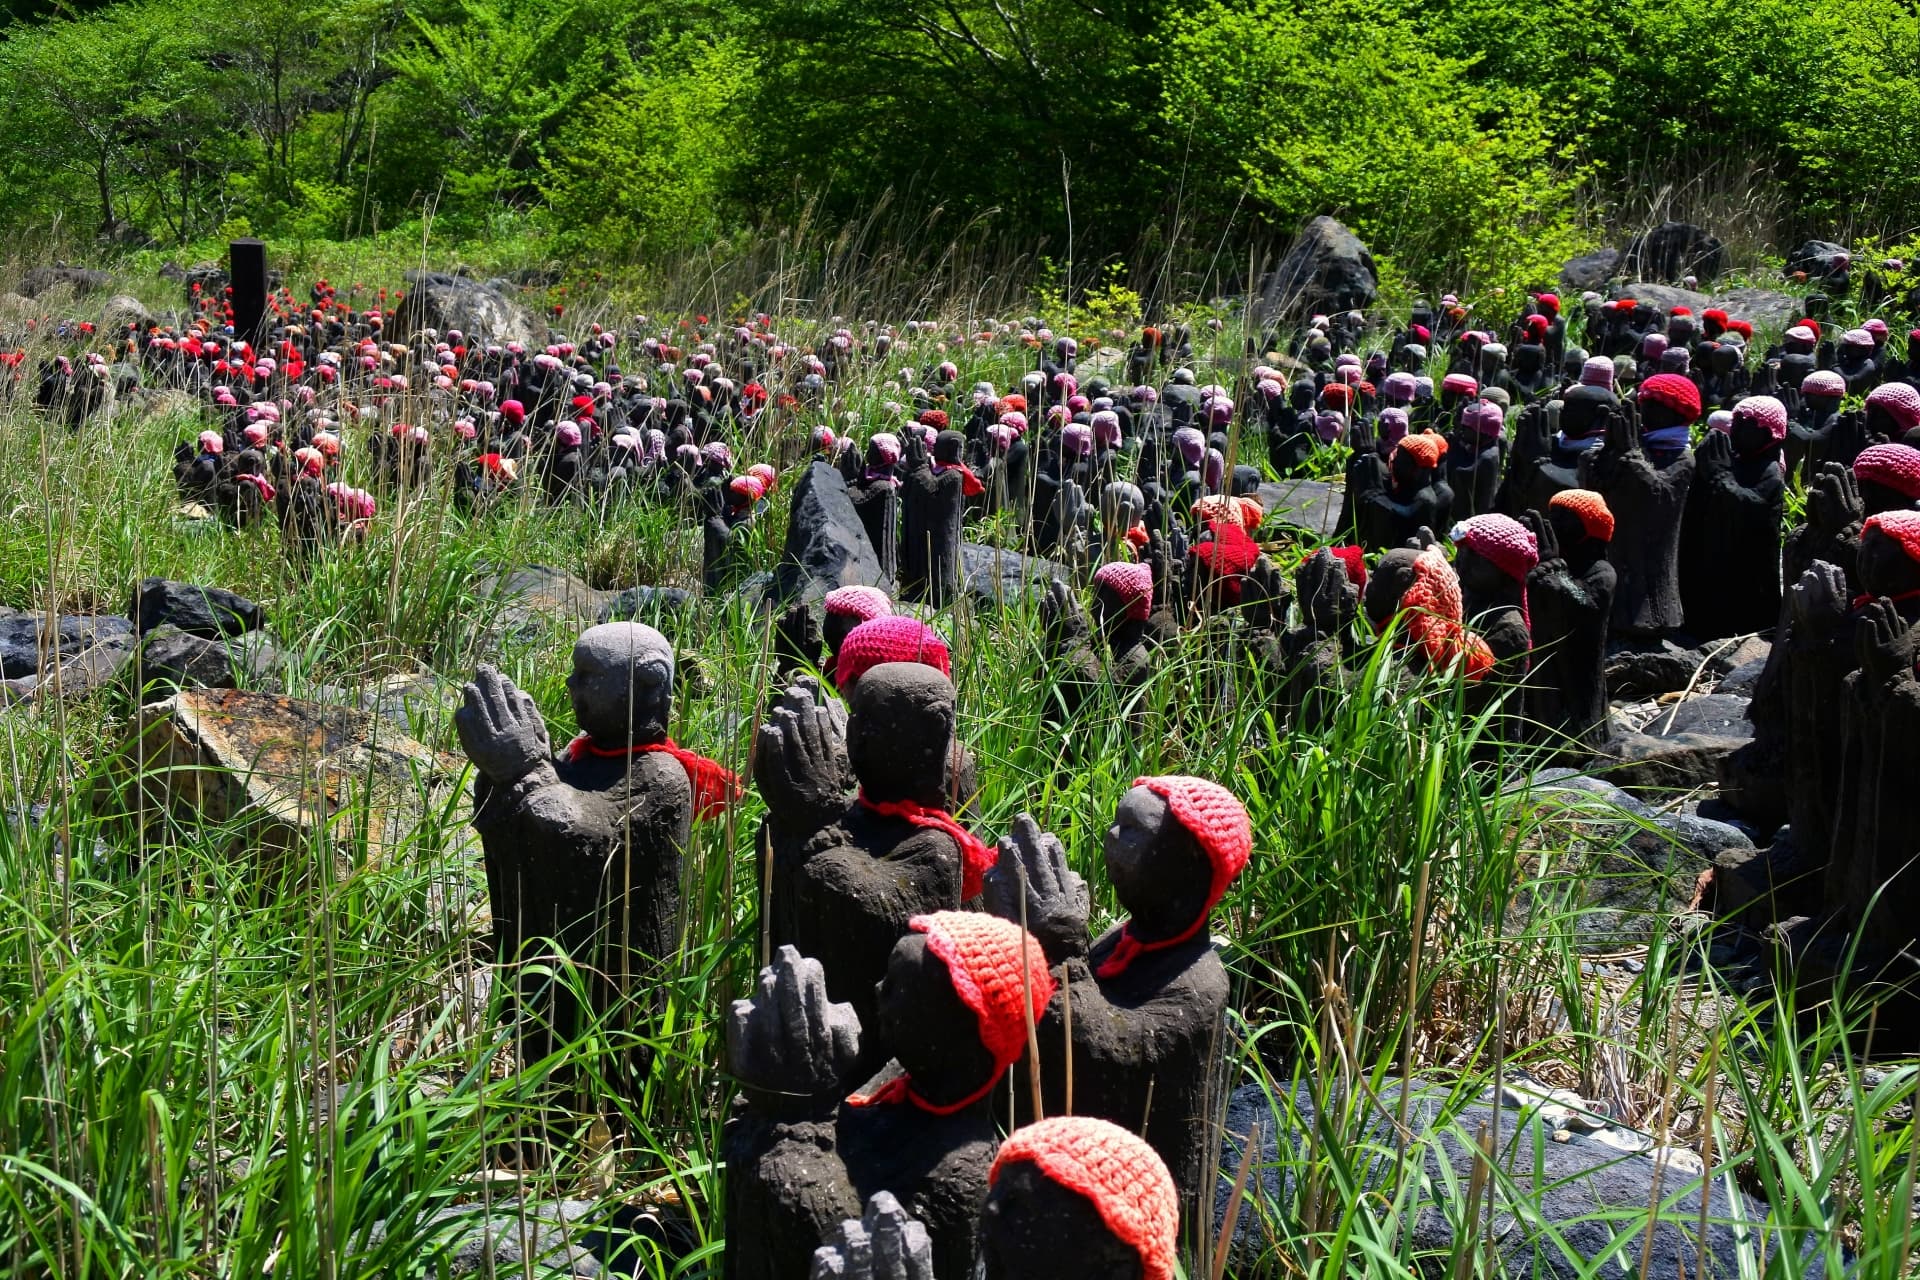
x=1468 y=137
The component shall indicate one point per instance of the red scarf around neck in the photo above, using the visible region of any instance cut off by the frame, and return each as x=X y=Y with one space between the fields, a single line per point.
x=714 y=787
x=900 y=1089
x=975 y=858
x=970 y=485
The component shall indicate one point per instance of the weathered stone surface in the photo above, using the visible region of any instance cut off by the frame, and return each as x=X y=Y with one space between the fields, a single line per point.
x=1721 y=659
x=198 y=611
x=1675 y=761
x=174 y=659
x=438 y=301
x=1741 y=679
x=1560 y=1202
x=1312 y=506
x=283 y=772
x=545 y=1238
x=1719 y=714
x=123 y=309
x=404 y=701
x=1649 y=670
x=80 y=279
x=644 y=604
x=531 y=598
x=90 y=669
x=1673 y=250
x=994 y=576
x=1818 y=258
x=827 y=545
x=1762 y=306
x=1327 y=267
x=1590 y=270
x=27 y=643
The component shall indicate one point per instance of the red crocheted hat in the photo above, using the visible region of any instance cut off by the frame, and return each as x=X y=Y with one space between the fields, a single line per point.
x=1892 y=466
x=897 y=638
x=983 y=956
x=1215 y=819
x=1551 y=301
x=1766 y=411
x=1902 y=526
x=767 y=474
x=1218 y=506
x=1354 y=560
x=1123 y=1176
x=1899 y=401
x=864 y=603
x=1504 y=541
x=1132 y=582
x=1596 y=517
x=1337 y=395
x=1677 y=393
x=1230 y=552
x=1461 y=383
x=1426 y=447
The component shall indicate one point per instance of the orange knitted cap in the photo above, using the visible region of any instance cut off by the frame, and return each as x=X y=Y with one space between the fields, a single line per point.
x=1123 y=1176
x=1217 y=821
x=1595 y=516
x=983 y=958
x=1218 y=506
x=1426 y=447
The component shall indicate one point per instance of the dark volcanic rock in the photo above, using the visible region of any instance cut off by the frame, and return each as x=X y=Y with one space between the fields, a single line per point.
x=1675 y=761
x=1674 y=250
x=1720 y=714
x=1326 y=268
x=198 y=611
x=41 y=279
x=547 y=1238
x=827 y=545
x=1561 y=1200
x=1590 y=270
x=175 y=659
x=644 y=604
x=26 y=642
x=1649 y=670
x=994 y=576
x=1818 y=258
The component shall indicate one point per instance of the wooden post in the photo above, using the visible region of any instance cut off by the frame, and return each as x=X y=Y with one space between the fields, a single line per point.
x=247 y=271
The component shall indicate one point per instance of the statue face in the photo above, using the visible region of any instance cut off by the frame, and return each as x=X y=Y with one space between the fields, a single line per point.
x=1032 y=1226
x=1139 y=827
x=1567 y=529
x=621 y=686
x=1478 y=575
x=926 y=1024
x=1884 y=568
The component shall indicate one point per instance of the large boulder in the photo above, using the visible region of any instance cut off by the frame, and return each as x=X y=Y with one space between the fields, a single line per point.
x=198 y=611
x=122 y=310
x=281 y=774
x=827 y=545
x=1310 y=506
x=1569 y=1184
x=1590 y=270
x=524 y=602
x=1674 y=250
x=995 y=577
x=1818 y=258
x=435 y=300
x=28 y=643
x=1764 y=307
x=546 y=1238
x=174 y=659
x=79 y=279
x=1327 y=268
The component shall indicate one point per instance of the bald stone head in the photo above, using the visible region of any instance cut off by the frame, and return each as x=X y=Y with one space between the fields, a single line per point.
x=622 y=684
x=900 y=732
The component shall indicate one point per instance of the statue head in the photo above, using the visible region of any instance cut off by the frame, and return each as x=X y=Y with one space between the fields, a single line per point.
x=900 y=721
x=1889 y=563
x=1075 y=1198
x=621 y=686
x=947 y=446
x=1174 y=846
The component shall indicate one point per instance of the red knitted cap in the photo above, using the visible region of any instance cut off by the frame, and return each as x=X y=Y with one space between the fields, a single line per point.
x=1230 y=552
x=1715 y=315
x=1337 y=395
x=1504 y=541
x=1426 y=447
x=767 y=474
x=1674 y=391
x=1899 y=401
x=864 y=603
x=983 y=956
x=897 y=638
x=1123 y=1176
x=1460 y=382
x=1132 y=582
x=1549 y=300
x=1354 y=560
x=1893 y=466
x=1902 y=526
x=1596 y=517
x=1215 y=819
x=1766 y=411
x=1218 y=506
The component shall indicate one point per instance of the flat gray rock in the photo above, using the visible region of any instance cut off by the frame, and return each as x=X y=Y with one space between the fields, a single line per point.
x=1311 y=506
x=27 y=642
x=994 y=576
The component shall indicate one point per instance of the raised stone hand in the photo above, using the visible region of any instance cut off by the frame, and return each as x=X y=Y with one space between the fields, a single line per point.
x=1057 y=903
x=1819 y=601
x=796 y=636
x=1623 y=430
x=1264 y=596
x=885 y=1244
x=1422 y=539
x=1532 y=431
x=800 y=757
x=913 y=451
x=1886 y=643
x=1360 y=433
x=1061 y=616
x=1544 y=538
x=789 y=1038
x=1833 y=502
x=1328 y=598
x=501 y=728
x=1714 y=454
